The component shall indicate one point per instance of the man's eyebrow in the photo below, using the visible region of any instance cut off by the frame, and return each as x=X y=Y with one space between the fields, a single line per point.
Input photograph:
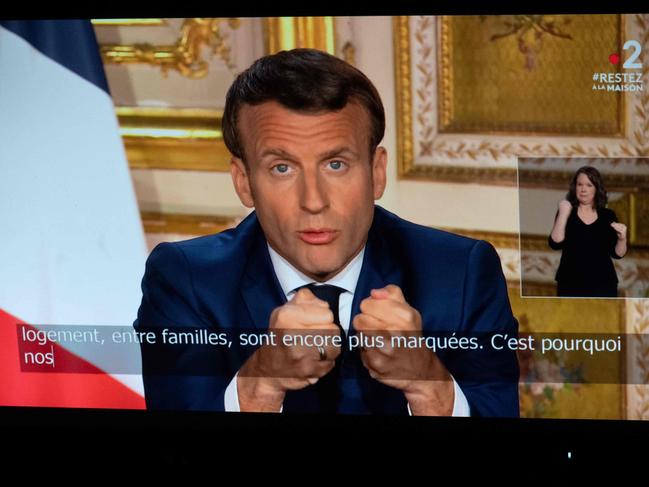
x=277 y=152
x=338 y=151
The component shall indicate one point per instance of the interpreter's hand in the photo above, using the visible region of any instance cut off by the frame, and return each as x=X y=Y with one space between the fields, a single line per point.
x=565 y=207
x=620 y=229
x=274 y=369
x=417 y=372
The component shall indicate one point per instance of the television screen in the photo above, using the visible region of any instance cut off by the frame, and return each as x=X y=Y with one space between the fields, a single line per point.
x=335 y=220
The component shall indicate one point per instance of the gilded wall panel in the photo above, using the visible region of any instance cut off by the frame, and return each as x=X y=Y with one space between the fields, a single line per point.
x=475 y=93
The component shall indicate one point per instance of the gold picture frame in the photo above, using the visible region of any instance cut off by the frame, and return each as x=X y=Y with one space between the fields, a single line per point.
x=177 y=139
x=428 y=153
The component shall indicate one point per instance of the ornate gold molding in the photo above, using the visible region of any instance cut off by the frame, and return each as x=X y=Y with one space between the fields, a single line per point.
x=536 y=243
x=185 y=55
x=458 y=174
x=285 y=33
x=185 y=224
x=633 y=210
x=407 y=167
x=349 y=53
x=182 y=139
x=528 y=30
x=401 y=35
x=538 y=289
x=480 y=157
x=500 y=240
x=637 y=397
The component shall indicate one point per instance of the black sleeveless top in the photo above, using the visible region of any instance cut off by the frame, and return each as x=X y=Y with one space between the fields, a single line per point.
x=587 y=250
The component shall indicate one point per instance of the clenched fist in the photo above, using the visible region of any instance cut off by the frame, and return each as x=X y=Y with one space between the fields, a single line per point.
x=620 y=229
x=274 y=369
x=417 y=371
x=565 y=207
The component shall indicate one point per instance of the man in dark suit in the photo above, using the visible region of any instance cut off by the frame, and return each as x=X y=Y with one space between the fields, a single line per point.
x=318 y=258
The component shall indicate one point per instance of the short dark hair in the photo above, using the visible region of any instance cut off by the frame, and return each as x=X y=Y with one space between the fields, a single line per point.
x=601 y=196
x=305 y=80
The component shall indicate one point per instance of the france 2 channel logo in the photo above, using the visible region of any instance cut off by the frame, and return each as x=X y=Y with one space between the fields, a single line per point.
x=616 y=81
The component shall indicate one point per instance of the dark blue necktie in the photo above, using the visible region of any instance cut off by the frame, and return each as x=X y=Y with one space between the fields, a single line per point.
x=330 y=294
x=327 y=387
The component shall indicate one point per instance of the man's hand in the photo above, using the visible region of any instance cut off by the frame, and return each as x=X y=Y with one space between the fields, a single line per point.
x=417 y=372
x=272 y=370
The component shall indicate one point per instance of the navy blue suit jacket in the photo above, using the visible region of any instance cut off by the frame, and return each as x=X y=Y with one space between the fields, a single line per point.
x=225 y=282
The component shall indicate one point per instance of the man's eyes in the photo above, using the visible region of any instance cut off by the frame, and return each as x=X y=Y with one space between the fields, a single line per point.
x=281 y=169
x=337 y=165
x=284 y=169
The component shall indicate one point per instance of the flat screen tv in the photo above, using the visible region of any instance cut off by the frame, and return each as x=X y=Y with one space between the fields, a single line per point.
x=288 y=224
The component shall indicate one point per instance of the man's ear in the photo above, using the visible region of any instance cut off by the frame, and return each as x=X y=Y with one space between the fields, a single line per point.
x=379 y=169
x=241 y=182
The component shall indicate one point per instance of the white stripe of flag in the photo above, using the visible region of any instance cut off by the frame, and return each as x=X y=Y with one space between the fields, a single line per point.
x=72 y=247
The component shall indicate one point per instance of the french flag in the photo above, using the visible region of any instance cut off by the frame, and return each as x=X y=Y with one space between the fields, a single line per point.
x=72 y=248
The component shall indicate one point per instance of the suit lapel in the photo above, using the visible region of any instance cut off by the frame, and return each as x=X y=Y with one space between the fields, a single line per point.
x=260 y=289
x=380 y=268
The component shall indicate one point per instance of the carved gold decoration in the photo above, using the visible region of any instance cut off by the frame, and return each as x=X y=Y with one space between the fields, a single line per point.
x=185 y=56
x=401 y=35
x=638 y=359
x=177 y=223
x=530 y=31
x=641 y=134
x=500 y=240
x=285 y=33
x=487 y=158
x=633 y=210
x=425 y=69
x=483 y=86
x=638 y=276
x=349 y=53
x=184 y=139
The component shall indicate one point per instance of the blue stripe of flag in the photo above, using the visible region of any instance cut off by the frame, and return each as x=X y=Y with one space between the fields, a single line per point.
x=71 y=43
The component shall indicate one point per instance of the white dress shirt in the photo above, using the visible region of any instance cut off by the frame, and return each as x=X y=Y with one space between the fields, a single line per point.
x=290 y=279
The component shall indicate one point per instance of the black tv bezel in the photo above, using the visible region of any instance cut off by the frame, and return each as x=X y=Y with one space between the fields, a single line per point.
x=159 y=436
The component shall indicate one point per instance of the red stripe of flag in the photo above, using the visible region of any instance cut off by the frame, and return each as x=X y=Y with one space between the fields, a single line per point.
x=90 y=389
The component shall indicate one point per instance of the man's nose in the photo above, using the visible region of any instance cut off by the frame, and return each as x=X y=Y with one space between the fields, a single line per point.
x=313 y=197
